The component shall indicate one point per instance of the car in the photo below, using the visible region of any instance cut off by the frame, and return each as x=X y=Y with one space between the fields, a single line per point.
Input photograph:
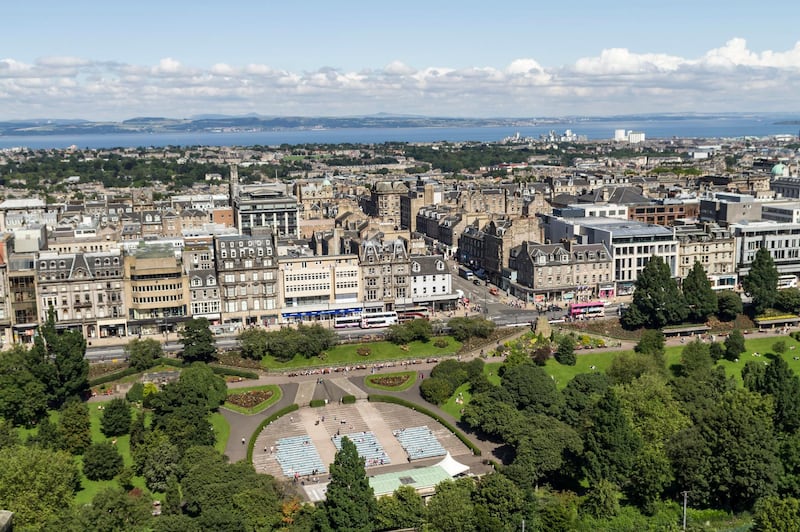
x=476 y=282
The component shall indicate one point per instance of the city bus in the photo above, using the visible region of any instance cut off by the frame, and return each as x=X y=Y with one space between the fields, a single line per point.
x=787 y=281
x=589 y=309
x=413 y=313
x=378 y=319
x=344 y=322
x=466 y=273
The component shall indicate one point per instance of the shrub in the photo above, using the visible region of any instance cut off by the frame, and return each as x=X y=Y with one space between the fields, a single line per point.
x=441 y=343
x=116 y=418
x=136 y=393
x=316 y=403
x=348 y=399
x=233 y=372
x=779 y=347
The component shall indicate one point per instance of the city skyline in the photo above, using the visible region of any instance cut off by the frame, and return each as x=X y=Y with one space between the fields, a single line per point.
x=112 y=62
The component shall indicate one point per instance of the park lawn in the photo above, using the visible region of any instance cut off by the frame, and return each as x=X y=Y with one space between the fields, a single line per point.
x=585 y=360
x=412 y=378
x=453 y=408
x=222 y=431
x=345 y=354
x=276 y=396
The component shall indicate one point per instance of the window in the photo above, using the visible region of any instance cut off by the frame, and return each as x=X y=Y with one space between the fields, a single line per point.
x=196 y=281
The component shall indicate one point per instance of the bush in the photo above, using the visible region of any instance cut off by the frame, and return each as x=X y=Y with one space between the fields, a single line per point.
x=102 y=461
x=734 y=345
x=348 y=399
x=111 y=377
x=779 y=347
x=565 y=354
x=316 y=403
x=233 y=372
x=441 y=343
x=729 y=305
x=436 y=390
x=405 y=333
x=307 y=341
x=465 y=328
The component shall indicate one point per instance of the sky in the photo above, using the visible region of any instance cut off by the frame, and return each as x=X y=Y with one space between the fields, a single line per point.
x=113 y=60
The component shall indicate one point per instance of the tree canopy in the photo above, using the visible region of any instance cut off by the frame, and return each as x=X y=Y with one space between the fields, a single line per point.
x=198 y=341
x=700 y=298
x=657 y=301
x=761 y=282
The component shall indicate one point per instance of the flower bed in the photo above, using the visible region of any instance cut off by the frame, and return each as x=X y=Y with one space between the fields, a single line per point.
x=250 y=399
x=390 y=381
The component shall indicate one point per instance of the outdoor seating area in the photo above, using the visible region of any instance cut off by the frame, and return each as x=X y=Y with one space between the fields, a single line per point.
x=298 y=457
x=367 y=446
x=419 y=443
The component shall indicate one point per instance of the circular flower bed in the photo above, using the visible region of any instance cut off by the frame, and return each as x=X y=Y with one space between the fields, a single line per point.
x=390 y=381
x=249 y=399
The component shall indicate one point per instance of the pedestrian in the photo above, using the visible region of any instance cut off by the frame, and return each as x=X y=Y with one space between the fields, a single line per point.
x=242 y=441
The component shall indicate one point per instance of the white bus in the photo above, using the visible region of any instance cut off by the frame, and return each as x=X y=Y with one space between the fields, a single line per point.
x=344 y=322
x=378 y=319
x=787 y=281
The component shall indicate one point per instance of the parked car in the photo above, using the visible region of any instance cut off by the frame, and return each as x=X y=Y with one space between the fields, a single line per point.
x=476 y=282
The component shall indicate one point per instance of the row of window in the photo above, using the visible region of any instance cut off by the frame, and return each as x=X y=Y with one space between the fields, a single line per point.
x=43 y=265
x=157 y=299
x=243 y=277
x=156 y=288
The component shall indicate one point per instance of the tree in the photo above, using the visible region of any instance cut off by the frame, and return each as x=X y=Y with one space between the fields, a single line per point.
x=172 y=497
x=142 y=354
x=784 y=386
x=780 y=347
x=435 y=390
x=58 y=360
x=253 y=343
x=116 y=510
x=498 y=503
x=773 y=514
x=612 y=444
x=350 y=502
x=657 y=301
x=700 y=298
x=729 y=305
x=652 y=344
x=137 y=430
x=565 y=353
x=451 y=507
x=36 y=484
x=530 y=386
x=156 y=459
x=761 y=283
x=198 y=341
x=734 y=345
x=788 y=300
x=23 y=398
x=201 y=381
x=116 y=418
x=601 y=500
x=404 y=509
x=74 y=427
x=8 y=436
x=465 y=328
x=102 y=461
x=695 y=356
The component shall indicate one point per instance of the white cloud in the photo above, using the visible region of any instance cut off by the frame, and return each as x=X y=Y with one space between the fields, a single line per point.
x=617 y=80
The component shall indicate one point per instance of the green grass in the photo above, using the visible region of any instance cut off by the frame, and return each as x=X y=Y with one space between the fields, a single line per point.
x=222 y=431
x=453 y=408
x=276 y=396
x=369 y=380
x=380 y=351
x=585 y=360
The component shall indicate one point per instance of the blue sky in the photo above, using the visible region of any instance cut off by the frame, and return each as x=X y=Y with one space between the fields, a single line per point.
x=109 y=60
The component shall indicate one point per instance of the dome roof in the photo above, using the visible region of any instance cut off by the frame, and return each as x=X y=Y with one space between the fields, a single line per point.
x=779 y=169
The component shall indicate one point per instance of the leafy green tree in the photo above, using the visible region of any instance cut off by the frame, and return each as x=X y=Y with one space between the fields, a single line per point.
x=135 y=393
x=780 y=347
x=700 y=298
x=198 y=341
x=465 y=328
x=580 y=395
x=116 y=418
x=115 y=510
x=36 y=484
x=783 y=385
x=716 y=350
x=137 y=430
x=102 y=461
x=74 y=427
x=788 y=300
x=8 y=435
x=142 y=354
x=695 y=356
x=626 y=366
x=253 y=343
x=156 y=459
x=729 y=305
x=23 y=397
x=734 y=345
x=773 y=514
x=172 y=497
x=761 y=283
x=201 y=381
x=451 y=506
x=530 y=386
x=404 y=509
x=601 y=500
x=350 y=502
x=565 y=353
x=57 y=360
x=435 y=390
x=612 y=445
x=657 y=301
x=652 y=344
x=499 y=503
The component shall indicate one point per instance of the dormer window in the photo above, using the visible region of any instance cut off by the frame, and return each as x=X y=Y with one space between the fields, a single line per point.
x=440 y=265
x=542 y=259
x=415 y=267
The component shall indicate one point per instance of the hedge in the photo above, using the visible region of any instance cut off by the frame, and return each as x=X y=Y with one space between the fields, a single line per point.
x=316 y=403
x=422 y=410
x=233 y=372
x=127 y=372
x=348 y=399
x=279 y=414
